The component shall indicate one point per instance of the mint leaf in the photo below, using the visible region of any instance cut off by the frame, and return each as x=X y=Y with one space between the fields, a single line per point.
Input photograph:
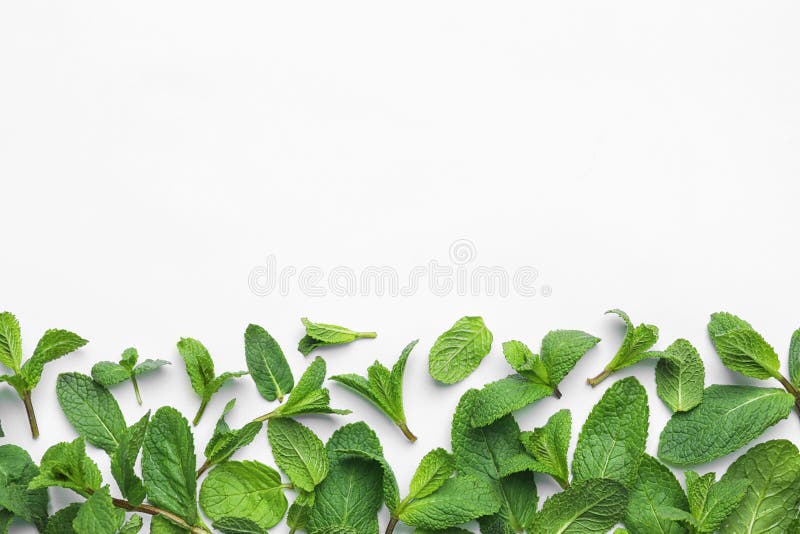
x=459 y=351
x=238 y=525
x=655 y=488
x=200 y=368
x=561 y=350
x=349 y=498
x=267 y=364
x=728 y=418
x=225 y=442
x=53 y=344
x=772 y=470
x=299 y=514
x=711 y=502
x=16 y=471
x=132 y=525
x=741 y=348
x=308 y=396
x=589 y=506
x=248 y=490
x=168 y=464
x=98 y=514
x=637 y=341
x=518 y=505
x=91 y=410
x=383 y=388
x=123 y=461
x=612 y=441
x=504 y=396
x=548 y=445
x=680 y=376
x=61 y=521
x=794 y=359
x=457 y=501
x=298 y=452
x=66 y=465
x=321 y=335
x=111 y=373
x=436 y=467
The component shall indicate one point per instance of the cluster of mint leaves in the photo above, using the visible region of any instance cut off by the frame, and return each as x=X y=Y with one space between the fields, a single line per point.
x=489 y=475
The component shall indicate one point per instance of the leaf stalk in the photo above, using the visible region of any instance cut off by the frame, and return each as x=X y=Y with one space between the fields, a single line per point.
x=26 y=400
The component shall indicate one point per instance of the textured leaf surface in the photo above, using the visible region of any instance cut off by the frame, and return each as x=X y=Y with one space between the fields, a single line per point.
x=459 y=351
x=794 y=359
x=770 y=502
x=238 y=525
x=16 y=471
x=53 y=345
x=549 y=444
x=637 y=340
x=91 y=409
x=66 y=465
x=518 y=504
x=123 y=461
x=505 y=396
x=267 y=364
x=61 y=521
x=349 y=497
x=680 y=377
x=591 y=506
x=98 y=515
x=248 y=490
x=612 y=441
x=10 y=341
x=109 y=373
x=459 y=500
x=561 y=350
x=728 y=418
x=741 y=348
x=711 y=502
x=298 y=452
x=436 y=467
x=656 y=487
x=168 y=464
x=199 y=364
x=308 y=396
x=332 y=334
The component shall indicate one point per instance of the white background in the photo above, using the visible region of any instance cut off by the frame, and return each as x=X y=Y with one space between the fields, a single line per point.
x=639 y=155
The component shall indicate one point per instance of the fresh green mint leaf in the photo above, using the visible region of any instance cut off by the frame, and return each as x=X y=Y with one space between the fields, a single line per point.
x=123 y=461
x=561 y=350
x=225 y=442
x=502 y=397
x=98 y=514
x=728 y=418
x=457 y=501
x=459 y=351
x=308 y=396
x=91 y=409
x=248 y=490
x=321 y=335
x=655 y=488
x=133 y=525
x=436 y=467
x=383 y=388
x=711 y=502
x=267 y=364
x=589 y=506
x=612 y=441
x=238 y=525
x=680 y=376
x=794 y=359
x=53 y=345
x=526 y=363
x=637 y=341
x=298 y=452
x=549 y=444
x=10 y=341
x=66 y=465
x=111 y=373
x=200 y=368
x=299 y=513
x=519 y=501
x=770 y=502
x=741 y=348
x=61 y=521
x=168 y=464
x=16 y=471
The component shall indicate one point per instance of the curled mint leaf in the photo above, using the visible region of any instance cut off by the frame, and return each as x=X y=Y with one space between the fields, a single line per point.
x=384 y=389
x=637 y=341
x=548 y=446
x=459 y=351
x=322 y=335
x=112 y=373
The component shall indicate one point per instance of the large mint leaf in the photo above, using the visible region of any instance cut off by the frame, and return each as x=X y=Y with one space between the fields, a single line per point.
x=680 y=376
x=459 y=500
x=168 y=464
x=772 y=470
x=728 y=418
x=298 y=452
x=590 y=506
x=561 y=350
x=612 y=441
x=267 y=364
x=741 y=348
x=436 y=467
x=655 y=488
x=504 y=396
x=459 y=351
x=91 y=409
x=248 y=490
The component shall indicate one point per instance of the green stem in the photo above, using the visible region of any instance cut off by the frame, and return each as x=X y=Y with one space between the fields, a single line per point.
x=26 y=400
x=136 y=390
x=200 y=411
x=392 y=523
x=370 y=335
x=599 y=378
x=203 y=468
x=407 y=433
x=265 y=417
